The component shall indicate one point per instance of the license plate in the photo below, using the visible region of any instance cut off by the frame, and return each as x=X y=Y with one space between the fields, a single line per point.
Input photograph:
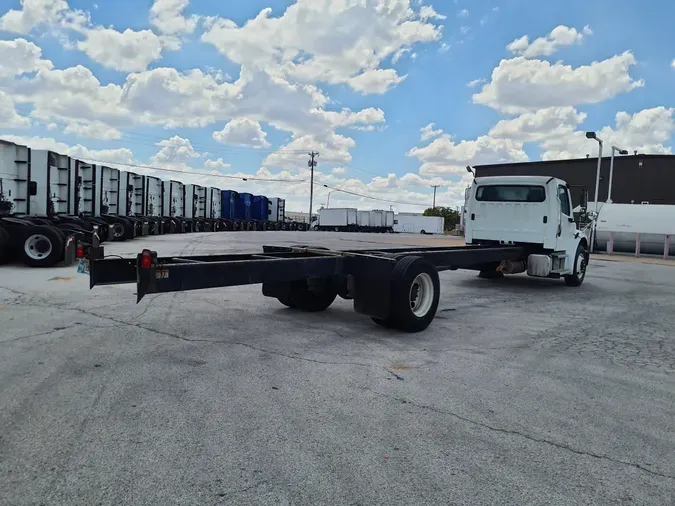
x=83 y=266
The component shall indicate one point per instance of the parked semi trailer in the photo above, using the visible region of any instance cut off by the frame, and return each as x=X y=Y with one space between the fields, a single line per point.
x=397 y=288
x=174 y=207
x=277 y=213
x=260 y=212
x=338 y=219
x=195 y=208
x=245 y=211
x=153 y=206
x=230 y=210
x=214 y=209
x=411 y=223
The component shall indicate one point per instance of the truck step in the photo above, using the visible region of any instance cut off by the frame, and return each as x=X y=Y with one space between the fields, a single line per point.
x=558 y=262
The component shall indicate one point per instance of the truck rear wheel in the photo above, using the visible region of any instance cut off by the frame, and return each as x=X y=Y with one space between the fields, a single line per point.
x=580 y=262
x=42 y=246
x=414 y=296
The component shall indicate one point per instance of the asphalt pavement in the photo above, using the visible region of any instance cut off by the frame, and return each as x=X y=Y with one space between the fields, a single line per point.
x=521 y=392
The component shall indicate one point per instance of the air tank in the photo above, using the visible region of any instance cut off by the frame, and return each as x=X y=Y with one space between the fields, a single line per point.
x=653 y=222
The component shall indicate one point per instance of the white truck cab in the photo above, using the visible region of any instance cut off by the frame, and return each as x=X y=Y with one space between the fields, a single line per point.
x=534 y=212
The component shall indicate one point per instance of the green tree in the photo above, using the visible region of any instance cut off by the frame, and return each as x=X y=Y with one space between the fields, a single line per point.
x=451 y=215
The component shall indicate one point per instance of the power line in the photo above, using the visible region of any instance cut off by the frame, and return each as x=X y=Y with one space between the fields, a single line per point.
x=342 y=190
x=194 y=173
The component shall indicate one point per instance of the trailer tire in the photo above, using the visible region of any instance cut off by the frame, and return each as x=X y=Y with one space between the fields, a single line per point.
x=580 y=263
x=414 y=296
x=42 y=246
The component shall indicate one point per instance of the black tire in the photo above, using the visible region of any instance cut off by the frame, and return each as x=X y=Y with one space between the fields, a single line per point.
x=580 y=263
x=413 y=277
x=42 y=246
x=423 y=232
x=120 y=230
x=310 y=295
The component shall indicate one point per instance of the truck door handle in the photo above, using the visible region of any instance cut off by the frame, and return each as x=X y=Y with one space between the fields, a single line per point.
x=571 y=220
x=473 y=216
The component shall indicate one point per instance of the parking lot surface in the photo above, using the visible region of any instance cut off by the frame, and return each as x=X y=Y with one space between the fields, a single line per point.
x=522 y=391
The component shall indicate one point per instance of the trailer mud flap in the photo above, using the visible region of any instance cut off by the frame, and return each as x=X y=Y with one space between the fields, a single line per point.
x=372 y=285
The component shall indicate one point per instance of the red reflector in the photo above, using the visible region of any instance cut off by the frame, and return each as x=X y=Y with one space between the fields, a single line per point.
x=79 y=252
x=146 y=259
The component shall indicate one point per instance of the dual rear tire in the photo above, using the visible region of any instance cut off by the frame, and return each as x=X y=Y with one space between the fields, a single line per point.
x=414 y=293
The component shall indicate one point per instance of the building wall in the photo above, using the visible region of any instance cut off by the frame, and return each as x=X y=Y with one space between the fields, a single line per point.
x=637 y=178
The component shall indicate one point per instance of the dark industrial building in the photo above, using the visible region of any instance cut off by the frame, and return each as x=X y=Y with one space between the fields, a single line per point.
x=637 y=178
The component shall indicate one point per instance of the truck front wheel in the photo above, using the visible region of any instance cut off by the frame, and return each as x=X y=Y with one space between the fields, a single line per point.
x=580 y=262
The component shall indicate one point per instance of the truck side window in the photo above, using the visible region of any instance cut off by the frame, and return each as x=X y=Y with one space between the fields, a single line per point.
x=564 y=198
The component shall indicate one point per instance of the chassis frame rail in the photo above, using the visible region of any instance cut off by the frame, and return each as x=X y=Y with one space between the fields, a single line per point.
x=153 y=274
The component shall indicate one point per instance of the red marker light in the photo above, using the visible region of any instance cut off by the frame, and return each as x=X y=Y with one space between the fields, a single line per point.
x=79 y=252
x=146 y=259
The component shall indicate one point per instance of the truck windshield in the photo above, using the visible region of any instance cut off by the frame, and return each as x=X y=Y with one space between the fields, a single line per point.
x=510 y=193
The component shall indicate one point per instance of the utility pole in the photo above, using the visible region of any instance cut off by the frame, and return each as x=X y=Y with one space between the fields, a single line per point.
x=434 y=187
x=312 y=164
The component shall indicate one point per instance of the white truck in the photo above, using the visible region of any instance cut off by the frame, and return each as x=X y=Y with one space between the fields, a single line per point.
x=534 y=213
x=338 y=219
x=515 y=224
x=413 y=223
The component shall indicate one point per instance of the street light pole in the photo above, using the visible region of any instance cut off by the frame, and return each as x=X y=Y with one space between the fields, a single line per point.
x=328 y=201
x=611 y=170
x=592 y=135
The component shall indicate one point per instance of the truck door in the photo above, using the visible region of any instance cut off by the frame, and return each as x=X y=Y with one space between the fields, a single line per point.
x=566 y=240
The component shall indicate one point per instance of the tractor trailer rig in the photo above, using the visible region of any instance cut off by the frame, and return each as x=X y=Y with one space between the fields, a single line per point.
x=515 y=225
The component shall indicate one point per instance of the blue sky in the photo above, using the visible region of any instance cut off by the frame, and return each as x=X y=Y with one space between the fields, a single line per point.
x=467 y=46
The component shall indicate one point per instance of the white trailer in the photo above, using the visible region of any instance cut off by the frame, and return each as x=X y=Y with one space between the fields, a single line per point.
x=338 y=219
x=389 y=218
x=277 y=209
x=377 y=219
x=214 y=203
x=153 y=197
x=363 y=219
x=195 y=208
x=412 y=223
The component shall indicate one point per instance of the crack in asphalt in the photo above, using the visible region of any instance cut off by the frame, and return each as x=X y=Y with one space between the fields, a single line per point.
x=512 y=432
x=213 y=341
